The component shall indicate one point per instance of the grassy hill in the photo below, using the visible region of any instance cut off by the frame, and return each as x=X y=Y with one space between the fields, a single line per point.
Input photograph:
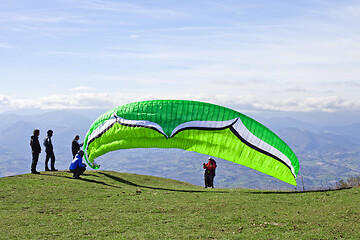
x=108 y=205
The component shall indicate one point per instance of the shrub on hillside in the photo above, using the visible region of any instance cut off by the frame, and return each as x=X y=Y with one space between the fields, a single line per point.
x=348 y=183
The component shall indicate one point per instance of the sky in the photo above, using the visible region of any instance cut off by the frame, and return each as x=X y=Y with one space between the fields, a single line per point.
x=258 y=55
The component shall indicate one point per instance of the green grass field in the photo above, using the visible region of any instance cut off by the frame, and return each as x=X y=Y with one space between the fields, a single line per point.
x=111 y=205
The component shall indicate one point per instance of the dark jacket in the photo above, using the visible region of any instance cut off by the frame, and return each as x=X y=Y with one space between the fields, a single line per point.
x=35 y=144
x=48 y=144
x=75 y=147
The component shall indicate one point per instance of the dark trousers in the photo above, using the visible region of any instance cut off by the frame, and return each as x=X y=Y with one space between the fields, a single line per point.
x=35 y=159
x=78 y=171
x=50 y=155
x=209 y=180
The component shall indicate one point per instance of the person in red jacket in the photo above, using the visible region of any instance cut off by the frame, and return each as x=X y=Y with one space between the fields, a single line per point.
x=209 y=172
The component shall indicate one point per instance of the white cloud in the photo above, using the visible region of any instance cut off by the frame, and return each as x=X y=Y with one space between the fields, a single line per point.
x=244 y=103
x=116 y=7
x=4 y=101
x=75 y=101
x=82 y=89
x=6 y=45
x=257 y=103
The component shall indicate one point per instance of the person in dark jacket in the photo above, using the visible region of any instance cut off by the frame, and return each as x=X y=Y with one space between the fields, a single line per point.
x=35 y=149
x=76 y=166
x=209 y=172
x=49 y=149
x=75 y=146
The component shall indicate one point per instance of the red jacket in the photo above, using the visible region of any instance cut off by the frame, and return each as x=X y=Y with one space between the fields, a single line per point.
x=210 y=168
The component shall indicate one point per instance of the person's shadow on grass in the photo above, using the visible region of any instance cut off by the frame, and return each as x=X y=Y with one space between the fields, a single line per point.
x=142 y=186
x=123 y=181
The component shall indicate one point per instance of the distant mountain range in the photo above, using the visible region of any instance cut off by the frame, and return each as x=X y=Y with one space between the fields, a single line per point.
x=327 y=153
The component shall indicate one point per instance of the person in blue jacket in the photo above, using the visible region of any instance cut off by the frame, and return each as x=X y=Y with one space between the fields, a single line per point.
x=76 y=166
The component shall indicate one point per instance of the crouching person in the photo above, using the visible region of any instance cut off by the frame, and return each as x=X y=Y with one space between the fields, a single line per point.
x=76 y=166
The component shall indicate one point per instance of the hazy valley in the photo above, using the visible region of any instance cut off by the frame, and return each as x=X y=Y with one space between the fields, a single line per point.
x=327 y=152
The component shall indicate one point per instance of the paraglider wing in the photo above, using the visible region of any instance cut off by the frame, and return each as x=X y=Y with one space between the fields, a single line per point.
x=193 y=126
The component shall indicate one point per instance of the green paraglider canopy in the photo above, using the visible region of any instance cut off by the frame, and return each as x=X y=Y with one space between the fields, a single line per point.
x=193 y=126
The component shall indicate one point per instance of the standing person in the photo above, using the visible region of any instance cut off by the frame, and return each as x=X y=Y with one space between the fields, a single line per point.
x=49 y=152
x=209 y=172
x=75 y=146
x=35 y=149
x=76 y=166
